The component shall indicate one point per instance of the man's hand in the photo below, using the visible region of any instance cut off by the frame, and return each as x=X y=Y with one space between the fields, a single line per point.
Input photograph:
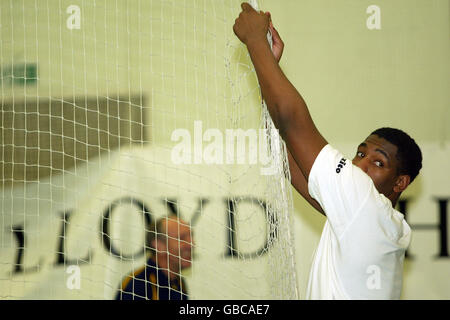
x=277 y=43
x=251 y=26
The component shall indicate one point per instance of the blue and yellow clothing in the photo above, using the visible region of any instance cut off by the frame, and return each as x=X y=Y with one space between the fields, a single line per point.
x=151 y=283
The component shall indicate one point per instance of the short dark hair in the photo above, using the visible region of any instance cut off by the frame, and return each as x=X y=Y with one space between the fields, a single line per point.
x=408 y=152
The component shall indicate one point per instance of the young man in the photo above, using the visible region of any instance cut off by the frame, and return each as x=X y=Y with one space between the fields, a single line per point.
x=363 y=243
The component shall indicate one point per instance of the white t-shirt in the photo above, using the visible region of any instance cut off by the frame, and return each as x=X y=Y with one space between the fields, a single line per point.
x=363 y=243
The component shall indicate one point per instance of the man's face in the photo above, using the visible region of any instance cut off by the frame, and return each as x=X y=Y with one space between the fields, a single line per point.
x=377 y=157
x=179 y=244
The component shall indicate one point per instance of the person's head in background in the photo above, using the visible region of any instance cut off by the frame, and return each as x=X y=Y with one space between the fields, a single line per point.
x=171 y=242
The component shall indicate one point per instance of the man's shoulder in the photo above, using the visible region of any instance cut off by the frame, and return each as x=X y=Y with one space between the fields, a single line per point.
x=336 y=176
x=331 y=162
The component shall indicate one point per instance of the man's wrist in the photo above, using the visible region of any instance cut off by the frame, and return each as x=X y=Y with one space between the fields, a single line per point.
x=257 y=43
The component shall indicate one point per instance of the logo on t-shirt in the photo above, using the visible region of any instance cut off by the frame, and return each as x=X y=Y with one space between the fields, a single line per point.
x=341 y=164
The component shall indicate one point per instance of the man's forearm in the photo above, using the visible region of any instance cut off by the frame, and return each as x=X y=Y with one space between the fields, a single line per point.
x=286 y=107
x=283 y=101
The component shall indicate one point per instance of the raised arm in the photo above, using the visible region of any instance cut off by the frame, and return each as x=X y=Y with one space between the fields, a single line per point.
x=300 y=184
x=297 y=179
x=286 y=106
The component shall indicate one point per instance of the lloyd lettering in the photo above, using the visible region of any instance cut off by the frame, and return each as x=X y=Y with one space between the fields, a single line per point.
x=18 y=267
x=63 y=258
x=105 y=231
x=232 y=246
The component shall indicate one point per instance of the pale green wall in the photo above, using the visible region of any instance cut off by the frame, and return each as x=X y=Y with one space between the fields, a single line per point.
x=354 y=79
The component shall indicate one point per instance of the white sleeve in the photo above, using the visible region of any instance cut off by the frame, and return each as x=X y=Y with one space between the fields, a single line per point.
x=340 y=187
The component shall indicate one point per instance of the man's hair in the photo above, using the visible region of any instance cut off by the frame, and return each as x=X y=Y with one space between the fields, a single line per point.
x=408 y=152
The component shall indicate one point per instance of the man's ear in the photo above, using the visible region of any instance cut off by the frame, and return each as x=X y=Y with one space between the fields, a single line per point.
x=402 y=183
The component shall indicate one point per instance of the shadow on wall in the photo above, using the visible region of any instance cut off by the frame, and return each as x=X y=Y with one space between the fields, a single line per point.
x=46 y=136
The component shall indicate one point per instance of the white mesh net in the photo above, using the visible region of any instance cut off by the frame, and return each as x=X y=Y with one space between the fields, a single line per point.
x=117 y=114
